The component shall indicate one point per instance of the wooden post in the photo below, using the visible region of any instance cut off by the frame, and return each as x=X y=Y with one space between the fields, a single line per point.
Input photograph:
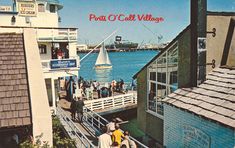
x=198 y=30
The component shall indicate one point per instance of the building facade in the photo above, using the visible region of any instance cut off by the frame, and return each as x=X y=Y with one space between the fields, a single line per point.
x=170 y=70
x=50 y=53
x=56 y=45
x=24 y=105
x=158 y=79
x=202 y=117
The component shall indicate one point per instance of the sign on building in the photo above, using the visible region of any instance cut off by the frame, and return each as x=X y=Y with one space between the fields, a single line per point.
x=194 y=137
x=5 y=8
x=57 y=64
x=27 y=8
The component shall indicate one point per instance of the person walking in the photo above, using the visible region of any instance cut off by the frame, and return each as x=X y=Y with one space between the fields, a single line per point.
x=127 y=141
x=111 y=126
x=80 y=104
x=98 y=89
x=70 y=88
x=117 y=135
x=133 y=84
x=73 y=108
x=104 y=140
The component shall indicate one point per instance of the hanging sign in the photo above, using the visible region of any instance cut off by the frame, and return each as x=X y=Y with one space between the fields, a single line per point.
x=57 y=64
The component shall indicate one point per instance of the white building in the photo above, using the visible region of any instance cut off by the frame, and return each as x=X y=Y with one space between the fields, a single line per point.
x=56 y=46
x=82 y=47
x=42 y=16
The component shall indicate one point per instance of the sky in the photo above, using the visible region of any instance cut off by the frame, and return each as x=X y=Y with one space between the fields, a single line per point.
x=176 y=15
x=76 y=13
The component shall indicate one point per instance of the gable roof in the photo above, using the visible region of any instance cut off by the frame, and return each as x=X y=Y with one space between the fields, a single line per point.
x=14 y=93
x=162 y=51
x=214 y=99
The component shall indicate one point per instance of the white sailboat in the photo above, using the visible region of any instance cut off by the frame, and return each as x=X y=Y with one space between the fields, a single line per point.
x=103 y=61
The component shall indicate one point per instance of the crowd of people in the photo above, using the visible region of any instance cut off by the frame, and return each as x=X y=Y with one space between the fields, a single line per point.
x=102 y=90
x=113 y=137
x=88 y=88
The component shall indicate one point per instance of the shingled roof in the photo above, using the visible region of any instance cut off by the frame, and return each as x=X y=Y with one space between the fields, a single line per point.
x=14 y=93
x=214 y=99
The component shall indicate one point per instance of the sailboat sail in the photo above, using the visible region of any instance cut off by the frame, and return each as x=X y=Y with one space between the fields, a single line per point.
x=103 y=58
x=107 y=58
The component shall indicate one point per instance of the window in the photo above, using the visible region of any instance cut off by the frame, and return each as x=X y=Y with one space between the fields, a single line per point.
x=42 y=49
x=161 y=76
x=52 y=8
x=162 y=79
x=41 y=8
x=49 y=91
x=152 y=97
x=153 y=76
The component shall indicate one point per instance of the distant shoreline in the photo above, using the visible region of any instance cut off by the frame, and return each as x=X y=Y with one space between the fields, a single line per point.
x=121 y=50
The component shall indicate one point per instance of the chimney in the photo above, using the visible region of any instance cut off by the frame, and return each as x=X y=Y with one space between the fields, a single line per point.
x=198 y=41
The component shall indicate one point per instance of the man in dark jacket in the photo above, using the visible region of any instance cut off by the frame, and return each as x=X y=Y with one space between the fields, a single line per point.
x=80 y=104
x=70 y=87
x=73 y=108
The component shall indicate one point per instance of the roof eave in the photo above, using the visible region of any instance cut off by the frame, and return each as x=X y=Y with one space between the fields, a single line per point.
x=164 y=49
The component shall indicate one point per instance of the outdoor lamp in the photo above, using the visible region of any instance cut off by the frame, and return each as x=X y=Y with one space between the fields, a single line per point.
x=13 y=19
x=59 y=19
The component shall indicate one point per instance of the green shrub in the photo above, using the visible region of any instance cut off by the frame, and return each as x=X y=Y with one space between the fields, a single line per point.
x=59 y=138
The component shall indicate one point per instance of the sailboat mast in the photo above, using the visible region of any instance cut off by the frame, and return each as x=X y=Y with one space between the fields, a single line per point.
x=98 y=45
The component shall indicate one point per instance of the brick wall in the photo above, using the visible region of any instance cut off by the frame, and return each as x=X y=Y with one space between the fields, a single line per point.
x=175 y=121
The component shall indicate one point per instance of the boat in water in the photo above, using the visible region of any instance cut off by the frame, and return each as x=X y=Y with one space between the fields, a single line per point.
x=120 y=44
x=103 y=61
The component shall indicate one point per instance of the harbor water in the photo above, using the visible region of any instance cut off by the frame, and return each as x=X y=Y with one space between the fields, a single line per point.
x=125 y=65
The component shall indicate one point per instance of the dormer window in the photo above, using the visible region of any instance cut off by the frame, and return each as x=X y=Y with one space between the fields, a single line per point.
x=41 y=8
x=52 y=8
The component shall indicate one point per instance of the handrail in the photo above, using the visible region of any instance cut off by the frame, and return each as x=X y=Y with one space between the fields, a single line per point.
x=38 y=27
x=91 y=116
x=84 y=140
x=48 y=33
x=113 y=101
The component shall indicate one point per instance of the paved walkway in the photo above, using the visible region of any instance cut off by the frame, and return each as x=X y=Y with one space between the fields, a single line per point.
x=83 y=127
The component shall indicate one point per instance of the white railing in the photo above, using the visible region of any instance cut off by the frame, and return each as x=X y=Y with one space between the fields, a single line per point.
x=56 y=34
x=95 y=121
x=46 y=63
x=73 y=131
x=110 y=102
x=126 y=86
x=46 y=33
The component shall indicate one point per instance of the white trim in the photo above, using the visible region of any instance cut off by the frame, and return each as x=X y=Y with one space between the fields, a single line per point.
x=155 y=114
x=151 y=68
